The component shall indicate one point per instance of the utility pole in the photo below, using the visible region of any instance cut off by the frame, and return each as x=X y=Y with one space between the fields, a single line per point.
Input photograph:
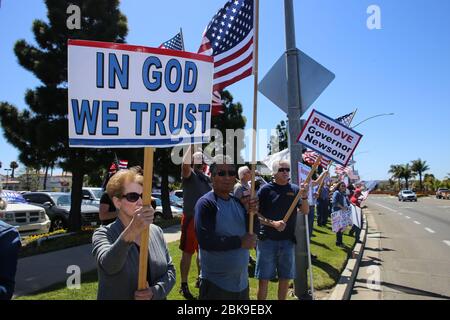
x=295 y=126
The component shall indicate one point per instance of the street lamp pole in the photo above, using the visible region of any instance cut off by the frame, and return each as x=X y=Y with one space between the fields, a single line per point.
x=375 y=116
x=378 y=115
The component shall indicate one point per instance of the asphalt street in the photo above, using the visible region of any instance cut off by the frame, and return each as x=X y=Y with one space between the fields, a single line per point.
x=407 y=253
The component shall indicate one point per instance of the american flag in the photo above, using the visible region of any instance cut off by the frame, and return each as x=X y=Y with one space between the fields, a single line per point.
x=123 y=164
x=346 y=120
x=342 y=170
x=229 y=39
x=310 y=156
x=176 y=43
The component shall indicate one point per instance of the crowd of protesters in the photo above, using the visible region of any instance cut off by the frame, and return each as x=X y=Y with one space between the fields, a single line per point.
x=215 y=227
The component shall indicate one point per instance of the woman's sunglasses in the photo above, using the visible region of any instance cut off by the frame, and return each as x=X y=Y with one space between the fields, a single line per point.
x=132 y=196
x=284 y=170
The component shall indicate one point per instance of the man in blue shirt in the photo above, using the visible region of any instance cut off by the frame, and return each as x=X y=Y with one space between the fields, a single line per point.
x=221 y=228
x=275 y=252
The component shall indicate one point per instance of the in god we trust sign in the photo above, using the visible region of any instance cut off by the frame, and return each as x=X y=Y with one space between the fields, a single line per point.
x=132 y=96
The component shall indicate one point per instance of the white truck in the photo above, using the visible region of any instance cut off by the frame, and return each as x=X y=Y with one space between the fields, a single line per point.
x=27 y=218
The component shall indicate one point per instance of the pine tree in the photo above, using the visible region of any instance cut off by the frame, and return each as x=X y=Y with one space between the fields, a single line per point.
x=231 y=118
x=41 y=133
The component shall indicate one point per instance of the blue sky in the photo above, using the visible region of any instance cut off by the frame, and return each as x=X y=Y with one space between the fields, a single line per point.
x=403 y=68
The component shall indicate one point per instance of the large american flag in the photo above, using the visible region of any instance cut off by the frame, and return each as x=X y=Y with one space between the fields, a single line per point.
x=310 y=156
x=229 y=39
x=176 y=43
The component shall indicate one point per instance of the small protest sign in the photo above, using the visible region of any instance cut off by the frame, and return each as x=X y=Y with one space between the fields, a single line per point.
x=356 y=216
x=340 y=220
x=303 y=171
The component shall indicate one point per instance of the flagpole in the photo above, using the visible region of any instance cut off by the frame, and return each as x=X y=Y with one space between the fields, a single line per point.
x=255 y=111
x=182 y=39
x=297 y=197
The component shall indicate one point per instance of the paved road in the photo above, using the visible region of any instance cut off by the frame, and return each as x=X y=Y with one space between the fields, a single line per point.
x=407 y=250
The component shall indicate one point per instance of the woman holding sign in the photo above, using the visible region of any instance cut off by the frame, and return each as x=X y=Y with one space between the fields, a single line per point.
x=116 y=246
x=340 y=202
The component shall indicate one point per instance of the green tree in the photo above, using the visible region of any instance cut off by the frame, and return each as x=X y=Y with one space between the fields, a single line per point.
x=406 y=173
x=13 y=165
x=396 y=172
x=29 y=179
x=279 y=141
x=419 y=167
x=41 y=133
x=231 y=118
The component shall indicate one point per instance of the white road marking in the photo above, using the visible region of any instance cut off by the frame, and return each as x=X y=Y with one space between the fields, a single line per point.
x=405 y=208
x=386 y=207
x=429 y=230
x=400 y=213
x=445 y=207
x=416 y=222
x=447 y=242
x=407 y=217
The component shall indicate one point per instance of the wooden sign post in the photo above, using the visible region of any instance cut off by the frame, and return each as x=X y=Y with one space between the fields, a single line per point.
x=146 y=199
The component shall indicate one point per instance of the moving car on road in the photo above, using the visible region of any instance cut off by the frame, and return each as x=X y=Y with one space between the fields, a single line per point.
x=407 y=195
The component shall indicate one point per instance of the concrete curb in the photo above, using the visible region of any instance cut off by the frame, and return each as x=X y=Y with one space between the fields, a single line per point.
x=344 y=287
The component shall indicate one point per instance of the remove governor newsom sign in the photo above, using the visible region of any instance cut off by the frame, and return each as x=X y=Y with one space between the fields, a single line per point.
x=329 y=137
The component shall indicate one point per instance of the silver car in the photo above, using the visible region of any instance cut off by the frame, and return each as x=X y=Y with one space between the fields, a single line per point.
x=407 y=195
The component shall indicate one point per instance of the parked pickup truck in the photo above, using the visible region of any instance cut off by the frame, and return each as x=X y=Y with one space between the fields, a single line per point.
x=27 y=218
x=442 y=193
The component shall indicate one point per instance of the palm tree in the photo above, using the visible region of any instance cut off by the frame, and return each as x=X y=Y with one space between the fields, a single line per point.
x=13 y=165
x=396 y=171
x=406 y=173
x=418 y=166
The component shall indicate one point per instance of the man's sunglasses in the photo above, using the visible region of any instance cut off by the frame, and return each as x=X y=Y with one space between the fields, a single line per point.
x=223 y=173
x=284 y=170
x=132 y=196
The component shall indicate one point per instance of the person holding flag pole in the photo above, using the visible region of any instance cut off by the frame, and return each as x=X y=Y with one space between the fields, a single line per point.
x=275 y=248
x=306 y=186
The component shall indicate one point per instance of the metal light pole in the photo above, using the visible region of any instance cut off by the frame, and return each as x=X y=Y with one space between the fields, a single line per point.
x=294 y=113
x=378 y=115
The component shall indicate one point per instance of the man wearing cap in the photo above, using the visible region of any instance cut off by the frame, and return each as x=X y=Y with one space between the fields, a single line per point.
x=195 y=185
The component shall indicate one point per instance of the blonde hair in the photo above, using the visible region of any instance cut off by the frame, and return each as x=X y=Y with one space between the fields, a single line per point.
x=277 y=164
x=115 y=186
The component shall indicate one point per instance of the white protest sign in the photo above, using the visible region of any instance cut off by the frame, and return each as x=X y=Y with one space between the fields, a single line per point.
x=340 y=220
x=303 y=171
x=356 y=216
x=131 y=96
x=329 y=137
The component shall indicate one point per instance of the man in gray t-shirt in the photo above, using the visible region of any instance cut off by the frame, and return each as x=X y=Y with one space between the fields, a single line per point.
x=195 y=185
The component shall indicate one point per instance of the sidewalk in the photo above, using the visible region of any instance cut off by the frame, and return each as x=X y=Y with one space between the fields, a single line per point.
x=43 y=270
x=365 y=288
